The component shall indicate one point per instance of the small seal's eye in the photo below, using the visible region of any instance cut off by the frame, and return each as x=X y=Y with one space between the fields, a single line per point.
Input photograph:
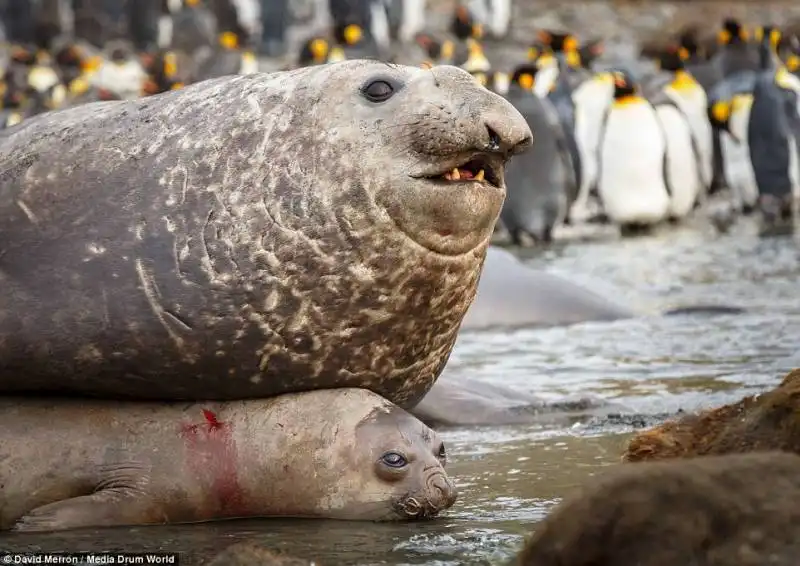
x=393 y=460
x=442 y=453
x=378 y=91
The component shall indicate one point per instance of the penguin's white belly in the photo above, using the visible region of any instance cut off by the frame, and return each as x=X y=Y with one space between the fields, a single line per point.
x=693 y=103
x=545 y=80
x=592 y=100
x=683 y=175
x=413 y=19
x=794 y=167
x=249 y=64
x=164 y=32
x=380 y=25
x=500 y=17
x=631 y=183
x=126 y=79
x=738 y=168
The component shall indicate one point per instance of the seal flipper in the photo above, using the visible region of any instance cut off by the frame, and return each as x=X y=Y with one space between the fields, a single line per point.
x=118 y=498
x=106 y=508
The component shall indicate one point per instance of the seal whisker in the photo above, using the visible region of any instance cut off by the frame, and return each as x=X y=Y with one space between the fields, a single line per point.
x=177 y=319
x=208 y=263
x=24 y=207
x=435 y=78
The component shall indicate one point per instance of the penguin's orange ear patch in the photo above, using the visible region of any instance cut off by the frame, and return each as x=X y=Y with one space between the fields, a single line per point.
x=426 y=65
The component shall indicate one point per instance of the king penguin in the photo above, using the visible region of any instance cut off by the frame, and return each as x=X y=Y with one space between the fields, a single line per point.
x=772 y=141
x=736 y=52
x=730 y=117
x=631 y=182
x=682 y=172
x=314 y=51
x=691 y=99
x=495 y=15
x=568 y=75
x=540 y=184
x=695 y=59
x=193 y=27
x=592 y=101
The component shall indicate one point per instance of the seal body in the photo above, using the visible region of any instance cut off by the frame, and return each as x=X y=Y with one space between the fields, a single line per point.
x=343 y=453
x=247 y=236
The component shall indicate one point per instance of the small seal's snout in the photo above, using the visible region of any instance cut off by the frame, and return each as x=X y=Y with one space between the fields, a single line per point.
x=438 y=494
x=443 y=493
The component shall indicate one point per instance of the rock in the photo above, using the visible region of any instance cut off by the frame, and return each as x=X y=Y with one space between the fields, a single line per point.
x=733 y=510
x=769 y=421
x=252 y=554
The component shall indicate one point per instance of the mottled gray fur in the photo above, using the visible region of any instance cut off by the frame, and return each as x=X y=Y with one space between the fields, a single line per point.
x=248 y=236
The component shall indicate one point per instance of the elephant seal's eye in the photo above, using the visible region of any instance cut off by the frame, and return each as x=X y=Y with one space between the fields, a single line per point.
x=378 y=91
x=393 y=460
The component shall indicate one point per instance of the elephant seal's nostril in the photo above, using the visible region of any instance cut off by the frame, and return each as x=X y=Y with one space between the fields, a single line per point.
x=494 y=139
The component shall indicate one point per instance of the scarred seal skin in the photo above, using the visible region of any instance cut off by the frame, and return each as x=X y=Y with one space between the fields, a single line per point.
x=251 y=236
x=336 y=453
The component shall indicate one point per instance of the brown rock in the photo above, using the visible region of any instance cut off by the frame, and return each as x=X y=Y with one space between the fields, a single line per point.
x=252 y=554
x=734 y=510
x=770 y=421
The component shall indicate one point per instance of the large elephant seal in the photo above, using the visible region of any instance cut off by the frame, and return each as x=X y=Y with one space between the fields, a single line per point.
x=251 y=236
x=336 y=453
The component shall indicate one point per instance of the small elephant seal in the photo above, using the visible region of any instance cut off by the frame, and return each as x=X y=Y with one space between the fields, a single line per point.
x=250 y=236
x=335 y=453
x=733 y=510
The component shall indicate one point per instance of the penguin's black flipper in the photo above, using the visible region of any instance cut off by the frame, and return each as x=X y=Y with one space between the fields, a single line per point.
x=594 y=190
x=658 y=99
x=696 y=153
x=565 y=149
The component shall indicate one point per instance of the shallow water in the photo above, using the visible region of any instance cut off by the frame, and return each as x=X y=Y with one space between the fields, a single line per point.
x=509 y=477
